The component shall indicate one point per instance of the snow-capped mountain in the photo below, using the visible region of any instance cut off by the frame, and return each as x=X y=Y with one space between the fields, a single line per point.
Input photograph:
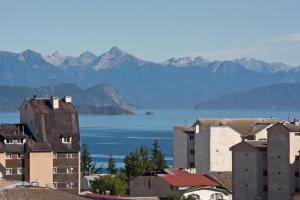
x=186 y=61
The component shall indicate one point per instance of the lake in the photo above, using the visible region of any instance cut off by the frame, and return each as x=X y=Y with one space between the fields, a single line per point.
x=118 y=135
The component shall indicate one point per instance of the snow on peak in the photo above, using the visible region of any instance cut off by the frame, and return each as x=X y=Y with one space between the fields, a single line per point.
x=186 y=61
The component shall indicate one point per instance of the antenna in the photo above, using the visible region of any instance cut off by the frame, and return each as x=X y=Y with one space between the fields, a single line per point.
x=52 y=79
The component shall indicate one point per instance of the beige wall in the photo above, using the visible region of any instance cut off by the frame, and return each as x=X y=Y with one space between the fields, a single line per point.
x=2 y=165
x=41 y=168
x=221 y=139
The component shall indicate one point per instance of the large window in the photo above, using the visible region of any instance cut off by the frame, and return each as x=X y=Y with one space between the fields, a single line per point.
x=9 y=141
x=54 y=170
x=20 y=141
x=20 y=156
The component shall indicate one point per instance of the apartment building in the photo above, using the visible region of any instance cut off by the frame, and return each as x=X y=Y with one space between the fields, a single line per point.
x=44 y=148
x=268 y=169
x=206 y=144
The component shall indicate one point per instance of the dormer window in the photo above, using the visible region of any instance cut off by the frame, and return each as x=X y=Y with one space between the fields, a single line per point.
x=8 y=141
x=66 y=139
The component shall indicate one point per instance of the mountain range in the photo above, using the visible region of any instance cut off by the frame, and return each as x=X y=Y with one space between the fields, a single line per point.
x=282 y=96
x=174 y=83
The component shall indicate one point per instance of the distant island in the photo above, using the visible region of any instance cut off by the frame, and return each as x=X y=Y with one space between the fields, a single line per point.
x=149 y=113
x=101 y=99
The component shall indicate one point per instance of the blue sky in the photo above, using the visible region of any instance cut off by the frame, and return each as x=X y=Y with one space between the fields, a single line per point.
x=155 y=29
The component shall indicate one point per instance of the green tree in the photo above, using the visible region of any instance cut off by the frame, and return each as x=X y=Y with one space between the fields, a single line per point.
x=111 y=167
x=147 y=164
x=133 y=164
x=158 y=157
x=87 y=163
x=115 y=184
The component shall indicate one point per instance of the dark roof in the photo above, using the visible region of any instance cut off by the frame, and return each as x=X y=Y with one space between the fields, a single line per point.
x=244 y=126
x=14 y=148
x=14 y=131
x=37 y=193
x=292 y=127
x=39 y=146
x=44 y=106
x=181 y=178
x=259 y=144
x=224 y=178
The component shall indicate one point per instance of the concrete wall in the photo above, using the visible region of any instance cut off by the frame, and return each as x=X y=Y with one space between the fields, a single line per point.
x=41 y=168
x=202 y=151
x=278 y=163
x=180 y=159
x=149 y=186
x=221 y=139
x=247 y=170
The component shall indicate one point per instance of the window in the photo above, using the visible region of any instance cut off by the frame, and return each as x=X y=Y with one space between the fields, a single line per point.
x=192 y=151
x=192 y=137
x=20 y=156
x=246 y=169
x=246 y=154
x=19 y=171
x=278 y=156
x=194 y=196
x=192 y=165
x=70 y=170
x=8 y=141
x=54 y=155
x=265 y=188
x=69 y=155
x=265 y=172
x=297 y=174
x=296 y=189
x=246 y=185
x=54 y=185
x=278 y=173
x=297 y=134
x=19 y=141
x=71 y=185
x=66 y=139
x=54 y=170
x=8 y=171
x=8 y=156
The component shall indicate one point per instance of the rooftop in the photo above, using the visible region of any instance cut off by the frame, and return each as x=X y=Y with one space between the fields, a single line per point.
x=245 y=126
x=181 y=178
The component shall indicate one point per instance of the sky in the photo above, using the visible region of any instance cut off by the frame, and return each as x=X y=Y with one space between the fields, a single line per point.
x=155 y=30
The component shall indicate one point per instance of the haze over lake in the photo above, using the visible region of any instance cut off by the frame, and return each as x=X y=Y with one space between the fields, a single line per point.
x=119 y=134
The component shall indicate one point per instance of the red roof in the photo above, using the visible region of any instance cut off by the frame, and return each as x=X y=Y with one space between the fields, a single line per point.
x=181 y=178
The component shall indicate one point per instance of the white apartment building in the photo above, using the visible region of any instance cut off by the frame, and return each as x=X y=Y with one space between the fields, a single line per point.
x=205 y=145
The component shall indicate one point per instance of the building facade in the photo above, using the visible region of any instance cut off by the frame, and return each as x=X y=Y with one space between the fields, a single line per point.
x=268 y=170
x=205 y=145
x=44 y=148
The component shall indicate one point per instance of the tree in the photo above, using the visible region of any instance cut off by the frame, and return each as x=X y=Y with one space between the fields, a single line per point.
x=111 y=167
x=115 y=184
x=133 y=164
x=158 y=158
x=87 y=163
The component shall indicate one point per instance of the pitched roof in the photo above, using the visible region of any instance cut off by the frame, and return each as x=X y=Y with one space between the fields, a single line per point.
x=292 y=127
x=37 y=193
x=44 y=106
x=39 y=146
x=181 y=178
x=225 y=178
x=256 y=144
x=14 y=131
x=244 y=126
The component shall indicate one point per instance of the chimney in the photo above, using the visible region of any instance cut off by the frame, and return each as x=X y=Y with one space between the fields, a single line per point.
x=197 y=129
x=55 y=102
x=68 y=99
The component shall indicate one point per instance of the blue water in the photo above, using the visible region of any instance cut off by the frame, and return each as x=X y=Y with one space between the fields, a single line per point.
x=118 y=135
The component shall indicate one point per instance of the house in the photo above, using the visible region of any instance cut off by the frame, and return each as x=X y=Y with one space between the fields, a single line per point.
x=268 y=169
x=44 y=149
x=205 y=145
x=177 y=182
